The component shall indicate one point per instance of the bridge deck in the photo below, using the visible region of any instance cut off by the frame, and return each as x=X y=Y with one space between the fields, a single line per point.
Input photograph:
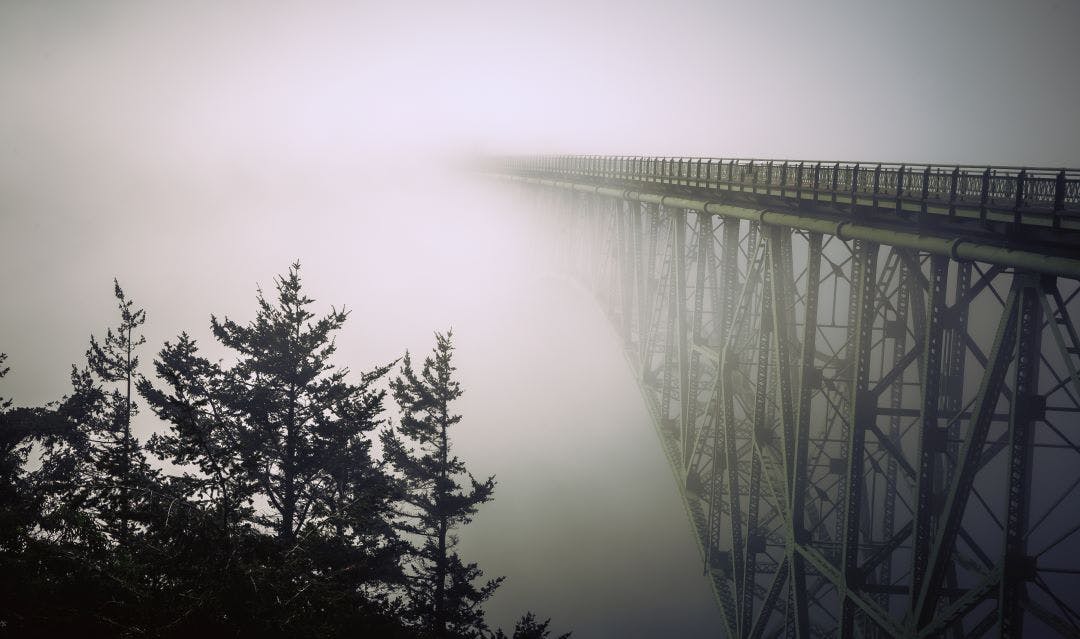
x=1029 y=196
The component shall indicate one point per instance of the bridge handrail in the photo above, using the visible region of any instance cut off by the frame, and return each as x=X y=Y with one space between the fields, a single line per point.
x=1052 y=193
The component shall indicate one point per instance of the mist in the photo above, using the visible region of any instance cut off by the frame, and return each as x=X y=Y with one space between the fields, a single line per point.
x=195 y=150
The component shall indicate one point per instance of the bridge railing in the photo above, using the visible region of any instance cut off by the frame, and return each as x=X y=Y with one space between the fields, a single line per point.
x=1042 y=196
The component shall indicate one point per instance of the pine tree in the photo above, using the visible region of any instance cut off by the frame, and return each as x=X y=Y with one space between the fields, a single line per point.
x=529 y=628
x=356 y=494
x=15 y=446
x=285 y=477
x=77 y=566
x=118 y=460
x=200 y=434
x=40 y=569
x=292 y=412
x=93 y=542
x=444 y=600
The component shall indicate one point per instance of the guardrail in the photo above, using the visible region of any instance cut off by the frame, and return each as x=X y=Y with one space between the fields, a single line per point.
x=1039 y=196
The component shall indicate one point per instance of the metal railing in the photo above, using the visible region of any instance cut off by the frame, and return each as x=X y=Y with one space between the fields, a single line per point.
x=1041 y=196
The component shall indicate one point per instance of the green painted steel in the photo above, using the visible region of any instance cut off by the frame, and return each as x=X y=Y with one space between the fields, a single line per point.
x=957 y=248
x=868 y=394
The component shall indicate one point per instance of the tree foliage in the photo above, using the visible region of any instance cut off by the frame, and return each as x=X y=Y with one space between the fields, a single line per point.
x=118 y=467
x=268 y=512
x=444 y=598
x=529 y=628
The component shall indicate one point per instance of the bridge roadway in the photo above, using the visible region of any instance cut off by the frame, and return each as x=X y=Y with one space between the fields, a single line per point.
x=866 y=379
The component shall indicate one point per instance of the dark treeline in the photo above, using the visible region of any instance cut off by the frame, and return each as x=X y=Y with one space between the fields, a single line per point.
x=260 y=506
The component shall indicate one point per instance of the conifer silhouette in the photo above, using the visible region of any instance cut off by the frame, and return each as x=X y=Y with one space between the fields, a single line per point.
x=444 y=599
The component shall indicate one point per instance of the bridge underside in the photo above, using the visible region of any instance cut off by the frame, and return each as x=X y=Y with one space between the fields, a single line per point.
x=875 y=427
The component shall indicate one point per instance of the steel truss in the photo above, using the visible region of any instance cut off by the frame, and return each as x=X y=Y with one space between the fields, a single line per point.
x=871 y=438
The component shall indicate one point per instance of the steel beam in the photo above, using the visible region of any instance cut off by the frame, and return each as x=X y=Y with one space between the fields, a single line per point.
x=801 y=320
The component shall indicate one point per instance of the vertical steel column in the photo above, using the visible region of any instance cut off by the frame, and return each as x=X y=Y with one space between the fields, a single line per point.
x=673 y=304
x=953 y=397
x=726 y=413
x=931 y=439
x=702 y=264
x=754 y=539
x=808 y=377
x=1026 y=407
x=774 y=311
x=782 y=322
x=896 y=400
x=717 y=561
x=638 y=237
x=854 y=284
x=678 y=308
x=953 y=356
x=729 y=276
x=648 y=285
x=626 y=272
x=612 y=233
x=862 y=410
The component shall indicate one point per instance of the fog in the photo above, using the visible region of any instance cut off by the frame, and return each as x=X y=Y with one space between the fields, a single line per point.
x=194 y=150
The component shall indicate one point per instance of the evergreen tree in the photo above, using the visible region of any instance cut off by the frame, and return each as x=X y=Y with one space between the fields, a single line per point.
x=294 y=418
x=17 y=431
x=529 y=628
x=55 y=549
x=118 y=461
x=444 y=601
x=200 y=436
x=276 y=521
x=277 y=443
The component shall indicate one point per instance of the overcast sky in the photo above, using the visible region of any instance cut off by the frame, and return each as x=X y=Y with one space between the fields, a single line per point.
x=195 y=149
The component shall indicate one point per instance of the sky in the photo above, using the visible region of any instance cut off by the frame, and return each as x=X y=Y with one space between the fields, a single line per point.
x=193 y=150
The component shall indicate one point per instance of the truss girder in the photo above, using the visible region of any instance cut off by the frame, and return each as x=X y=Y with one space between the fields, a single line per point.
x=870 y=439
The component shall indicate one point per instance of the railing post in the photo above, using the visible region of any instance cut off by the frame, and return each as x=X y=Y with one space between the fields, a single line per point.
x=1020 y=179
x=900 y=189
x=984 y=196
x=925 y=194
x=798 y=181
x=854 y=193
x=953 y=184
x=877 y=183
x=817 y=180
x=1059 y=198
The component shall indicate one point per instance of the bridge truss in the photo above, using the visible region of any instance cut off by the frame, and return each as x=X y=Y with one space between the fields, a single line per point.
x=866 y=379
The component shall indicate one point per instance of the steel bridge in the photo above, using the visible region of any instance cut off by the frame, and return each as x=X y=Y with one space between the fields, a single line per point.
x=865 y=377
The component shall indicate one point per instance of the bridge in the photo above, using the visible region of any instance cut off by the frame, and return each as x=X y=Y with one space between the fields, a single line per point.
x=865 y=377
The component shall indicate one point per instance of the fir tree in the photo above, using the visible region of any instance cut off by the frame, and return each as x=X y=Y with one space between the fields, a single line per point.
x=200 y=434
x=529 y=628
x=118 y=463
x=292 y=413
x=444 y=600
x=276 y=521
x=278 y=442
